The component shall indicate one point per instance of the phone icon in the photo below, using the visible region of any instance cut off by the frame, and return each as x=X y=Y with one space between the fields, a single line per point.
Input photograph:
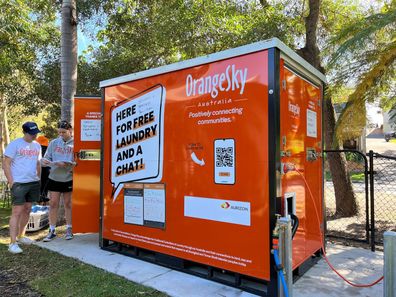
x=224 y=161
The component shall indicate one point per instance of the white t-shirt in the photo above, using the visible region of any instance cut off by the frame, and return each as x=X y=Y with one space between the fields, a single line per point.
x=24 y=157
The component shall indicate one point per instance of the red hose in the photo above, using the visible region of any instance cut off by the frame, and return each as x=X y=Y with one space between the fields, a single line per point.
x=322 y=243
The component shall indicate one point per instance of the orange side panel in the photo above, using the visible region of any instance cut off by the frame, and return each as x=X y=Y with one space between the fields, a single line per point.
x=195 y=124
x=300 y=102
x=86 y=175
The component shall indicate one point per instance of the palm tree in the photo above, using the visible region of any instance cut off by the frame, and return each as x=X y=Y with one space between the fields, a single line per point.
x=68 y=57
x=371 y=42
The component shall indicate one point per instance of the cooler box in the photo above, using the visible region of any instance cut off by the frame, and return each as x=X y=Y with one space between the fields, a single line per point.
x=38 y=218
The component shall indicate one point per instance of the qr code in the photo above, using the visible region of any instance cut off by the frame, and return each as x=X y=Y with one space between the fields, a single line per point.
x=224 y=157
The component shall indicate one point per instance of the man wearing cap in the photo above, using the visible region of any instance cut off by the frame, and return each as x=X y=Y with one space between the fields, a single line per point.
x=22 y=169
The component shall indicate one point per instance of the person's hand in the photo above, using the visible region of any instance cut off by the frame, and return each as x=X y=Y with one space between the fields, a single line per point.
x=10 y=184
x=45 y=162
x=61 y=164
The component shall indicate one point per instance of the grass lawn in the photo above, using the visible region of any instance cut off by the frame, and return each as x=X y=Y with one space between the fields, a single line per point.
x=355 y=177
x=40 y=272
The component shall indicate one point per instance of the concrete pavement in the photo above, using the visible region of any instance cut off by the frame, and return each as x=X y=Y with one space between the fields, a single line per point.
x=359 y=265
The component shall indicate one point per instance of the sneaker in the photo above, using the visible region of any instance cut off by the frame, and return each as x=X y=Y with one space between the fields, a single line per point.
x=51 y=235
x=14 y=248
x=69 y=234
x=25 y=240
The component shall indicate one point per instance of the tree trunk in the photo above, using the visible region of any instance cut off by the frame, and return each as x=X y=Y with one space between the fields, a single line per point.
x=2 y=138
x=345 y=197
x=2 y=134
x=68 y=57
x=6 y=134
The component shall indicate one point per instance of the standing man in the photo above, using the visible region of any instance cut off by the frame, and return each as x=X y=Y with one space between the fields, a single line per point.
x=59 y=157
x=22 y=169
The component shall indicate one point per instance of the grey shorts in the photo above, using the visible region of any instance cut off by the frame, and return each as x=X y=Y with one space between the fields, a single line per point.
x=25 y=192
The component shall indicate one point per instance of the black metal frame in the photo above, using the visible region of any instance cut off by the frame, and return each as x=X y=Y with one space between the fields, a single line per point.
x=101 y=206
x=373 y=155
x=372 y=210
x=273 y=154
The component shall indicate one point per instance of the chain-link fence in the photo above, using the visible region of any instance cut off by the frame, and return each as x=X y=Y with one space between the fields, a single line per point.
x=384 y=186
x=371 y=210
x=347 y=207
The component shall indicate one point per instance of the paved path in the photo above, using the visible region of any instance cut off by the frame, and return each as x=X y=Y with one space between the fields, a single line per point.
x=379 y=145
x=359 y=265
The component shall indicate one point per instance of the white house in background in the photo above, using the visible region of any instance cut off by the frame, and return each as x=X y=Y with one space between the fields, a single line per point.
x=375 y=119
x=377 y=123
x=388 y=126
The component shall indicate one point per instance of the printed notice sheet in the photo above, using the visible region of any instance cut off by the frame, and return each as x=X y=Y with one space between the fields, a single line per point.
x=311 y=124
x=144 y=204
x=133 y=206
x=154 y=205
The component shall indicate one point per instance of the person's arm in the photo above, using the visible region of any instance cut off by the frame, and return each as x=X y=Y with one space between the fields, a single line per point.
x=47 y=159
x=7 y=170
x=39 y=169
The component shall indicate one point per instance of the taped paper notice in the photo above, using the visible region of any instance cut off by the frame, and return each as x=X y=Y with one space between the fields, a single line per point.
x=311 y=124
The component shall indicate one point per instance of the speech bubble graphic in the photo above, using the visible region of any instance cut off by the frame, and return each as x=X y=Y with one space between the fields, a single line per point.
x=137 y=139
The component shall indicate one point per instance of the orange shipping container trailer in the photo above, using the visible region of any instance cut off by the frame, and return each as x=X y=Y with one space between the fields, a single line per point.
x=193 y=159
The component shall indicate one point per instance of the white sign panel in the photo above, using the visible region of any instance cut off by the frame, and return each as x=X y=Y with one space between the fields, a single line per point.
x=312 y=129
x=90 y=130
x=137 y=139
x=227 y=211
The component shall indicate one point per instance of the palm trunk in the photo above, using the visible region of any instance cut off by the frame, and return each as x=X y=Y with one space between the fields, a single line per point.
x=68 y=57
x=346 y=205
x=68 y=67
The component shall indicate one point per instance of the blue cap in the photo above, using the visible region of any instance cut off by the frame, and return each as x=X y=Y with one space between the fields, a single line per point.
x=31 y=128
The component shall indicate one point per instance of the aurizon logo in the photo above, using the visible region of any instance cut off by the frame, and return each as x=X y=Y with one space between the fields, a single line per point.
x=225 y=205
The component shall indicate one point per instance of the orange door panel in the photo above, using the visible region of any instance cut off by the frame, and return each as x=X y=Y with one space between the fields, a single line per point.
x=86 y=175
x=301 y=138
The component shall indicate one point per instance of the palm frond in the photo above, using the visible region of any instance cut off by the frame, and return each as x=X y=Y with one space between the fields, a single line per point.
x=360 y=33
x=365 y=87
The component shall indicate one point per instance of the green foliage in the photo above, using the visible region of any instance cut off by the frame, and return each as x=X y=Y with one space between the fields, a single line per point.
x=46 y=119
x=366 y=54
x=28 y=37
x=145 y=34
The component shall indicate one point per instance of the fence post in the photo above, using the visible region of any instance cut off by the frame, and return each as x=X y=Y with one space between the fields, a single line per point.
x=371 y=159
x=366 y=197
x=389 y=264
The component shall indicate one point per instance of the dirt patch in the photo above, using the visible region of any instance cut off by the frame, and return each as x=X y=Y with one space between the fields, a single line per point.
x=12 y=284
